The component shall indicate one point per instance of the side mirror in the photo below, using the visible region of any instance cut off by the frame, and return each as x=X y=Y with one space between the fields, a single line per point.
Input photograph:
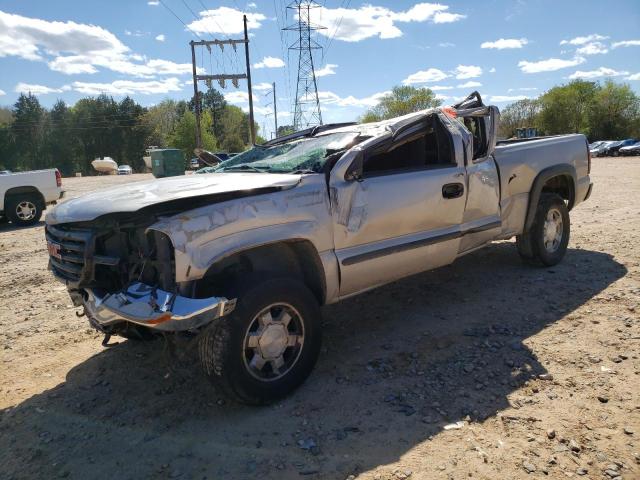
x=354 y=172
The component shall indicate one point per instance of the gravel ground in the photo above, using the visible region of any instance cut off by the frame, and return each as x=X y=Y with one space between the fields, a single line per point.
x=483 y=369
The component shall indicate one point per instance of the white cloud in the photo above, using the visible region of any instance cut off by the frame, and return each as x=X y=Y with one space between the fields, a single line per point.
x=503 y=43
x=356 y=24
x=506 y=98
x=582 y=40
x=350 y=101
x=600 y=72
x=161 y=37
x=446 y=44
x=470 y=84
x=549 y=65
x=75 y=48
x=2 y=92
x=261 y=87
x=252 y=5
x=492 y=70
x=593 y=48
x=269 y=62
x=137 y=33
x=225 y=20
x=129 y=87
x=523 y=89
x=437 y=88
x=423 y=76
x=153 y=3
x=328 y=69
x=635 y=76
x=467 y=71
x=36 y=89
x=237 y=96
x=447 y=17
x=626 y=43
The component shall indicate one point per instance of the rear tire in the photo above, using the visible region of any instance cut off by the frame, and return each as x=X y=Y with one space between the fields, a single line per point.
x=24 y=210
x=546 y=242
x=267 y=346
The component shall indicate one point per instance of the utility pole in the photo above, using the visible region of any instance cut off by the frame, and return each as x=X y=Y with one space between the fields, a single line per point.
x=275 y=109
x=252 y=127
x=195 y=95
x=222 y=78
x=307 y=104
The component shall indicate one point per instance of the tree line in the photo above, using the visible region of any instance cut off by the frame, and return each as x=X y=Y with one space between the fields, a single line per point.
x=71 y=137
x=607 y=111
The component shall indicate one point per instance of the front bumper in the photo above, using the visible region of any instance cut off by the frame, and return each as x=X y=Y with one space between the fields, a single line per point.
x=153 y=308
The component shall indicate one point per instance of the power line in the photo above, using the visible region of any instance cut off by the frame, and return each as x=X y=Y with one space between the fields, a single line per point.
x=179 y=19
x=326 y=49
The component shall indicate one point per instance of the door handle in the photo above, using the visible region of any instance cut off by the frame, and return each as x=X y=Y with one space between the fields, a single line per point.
x=452 y=190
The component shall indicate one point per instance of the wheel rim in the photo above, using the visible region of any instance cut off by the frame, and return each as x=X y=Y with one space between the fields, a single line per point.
x=552 y=230
x=273 y=342
x=26 y=210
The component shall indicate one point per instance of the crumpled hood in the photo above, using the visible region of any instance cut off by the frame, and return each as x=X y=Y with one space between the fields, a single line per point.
x=134 y=196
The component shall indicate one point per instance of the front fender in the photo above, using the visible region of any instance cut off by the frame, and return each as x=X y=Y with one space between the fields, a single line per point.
x=203 y=236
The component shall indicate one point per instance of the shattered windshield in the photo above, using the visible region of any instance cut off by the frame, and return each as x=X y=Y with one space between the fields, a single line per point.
x=301 y=155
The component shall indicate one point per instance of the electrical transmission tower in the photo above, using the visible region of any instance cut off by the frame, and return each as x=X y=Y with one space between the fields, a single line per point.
x=307 y=104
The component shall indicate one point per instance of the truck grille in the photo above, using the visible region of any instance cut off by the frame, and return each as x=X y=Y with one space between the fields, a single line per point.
x=72 y=255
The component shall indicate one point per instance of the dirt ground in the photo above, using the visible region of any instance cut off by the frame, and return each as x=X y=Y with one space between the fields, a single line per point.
x=483 y=369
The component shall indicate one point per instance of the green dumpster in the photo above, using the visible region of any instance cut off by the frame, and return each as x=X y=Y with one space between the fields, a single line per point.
x=167 y=162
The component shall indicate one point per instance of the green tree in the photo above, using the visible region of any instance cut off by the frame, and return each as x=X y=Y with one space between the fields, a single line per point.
x=162 y=120
x=520 y=114
x=28 y=131
x=615 y=112
x=61 y=141
x=6 y=116
x=565 y=109
x=285 y=130
x=134 y=132
x=184 y=136
x=236 y=129
x=401 y=101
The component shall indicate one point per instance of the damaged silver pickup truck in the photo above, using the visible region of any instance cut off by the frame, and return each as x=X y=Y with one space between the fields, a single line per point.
x=244 y=257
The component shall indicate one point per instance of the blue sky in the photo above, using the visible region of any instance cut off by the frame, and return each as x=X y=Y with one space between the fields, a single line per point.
x=505 y=49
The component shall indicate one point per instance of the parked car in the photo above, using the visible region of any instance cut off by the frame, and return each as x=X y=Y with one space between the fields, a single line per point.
x=5 y=172
x=25 y=195
x=194 y=163
x=124 y=170
x=599 y=147
x=630 y=149
x=243 y=258
x=614 y=149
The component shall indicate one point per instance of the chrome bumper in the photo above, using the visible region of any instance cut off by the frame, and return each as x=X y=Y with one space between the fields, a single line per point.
x=154 y=308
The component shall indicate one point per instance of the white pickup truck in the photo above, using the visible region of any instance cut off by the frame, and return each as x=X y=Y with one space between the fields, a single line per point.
x=25 y=195
x=244 y=257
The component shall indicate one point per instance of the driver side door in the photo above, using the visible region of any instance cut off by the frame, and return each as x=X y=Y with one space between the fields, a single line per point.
x=400 y=216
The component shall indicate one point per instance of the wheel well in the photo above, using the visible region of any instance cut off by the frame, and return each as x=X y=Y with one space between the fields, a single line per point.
x=563 y=186
x=17 y=191
x=296 y=258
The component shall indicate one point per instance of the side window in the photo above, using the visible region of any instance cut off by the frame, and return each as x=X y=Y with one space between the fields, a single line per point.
x=429 y=148
x=477 y=128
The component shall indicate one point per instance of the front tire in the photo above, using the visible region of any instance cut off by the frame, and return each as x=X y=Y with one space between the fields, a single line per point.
x=546 y=242
x=24 y=210
x=267 y=346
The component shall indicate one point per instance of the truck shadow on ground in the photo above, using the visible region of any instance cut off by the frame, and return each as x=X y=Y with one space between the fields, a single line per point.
x=6 y=226
x=399 y=363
